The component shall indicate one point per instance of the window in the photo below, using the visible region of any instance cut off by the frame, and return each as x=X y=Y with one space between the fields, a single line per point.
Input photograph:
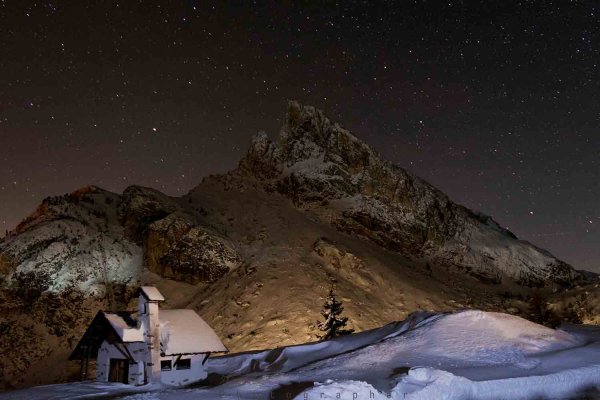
x=184 y=363
x=165 y=365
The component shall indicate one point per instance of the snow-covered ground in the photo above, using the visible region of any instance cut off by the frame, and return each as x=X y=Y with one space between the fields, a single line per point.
x=465 y=355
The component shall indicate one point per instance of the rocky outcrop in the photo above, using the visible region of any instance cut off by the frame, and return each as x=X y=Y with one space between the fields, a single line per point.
x=95 y=241
x=139 y=207
x=318 y=164
x=340 y=263
x=71 y=241
x=161 y=235
x=86 y=250
x=178 y=250
x=337 y=257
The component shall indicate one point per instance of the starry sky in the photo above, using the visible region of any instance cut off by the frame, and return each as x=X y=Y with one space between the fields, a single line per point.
x=495 y=103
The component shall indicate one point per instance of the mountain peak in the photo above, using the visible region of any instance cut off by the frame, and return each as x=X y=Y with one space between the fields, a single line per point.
x=310 y=145
x=303 y=120
x=324 y=168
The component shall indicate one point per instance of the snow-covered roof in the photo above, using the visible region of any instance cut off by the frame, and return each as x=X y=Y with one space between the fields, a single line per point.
x=181 y=331
x=152 y=293
x=184 y=332
x=125 y=327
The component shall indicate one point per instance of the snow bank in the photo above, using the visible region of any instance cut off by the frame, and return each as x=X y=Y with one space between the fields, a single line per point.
x=495 y=338
x=287 y=358
x=461 y=342
x=344 y=390
x=77 y=390
x=465 y=355
x=428 y=383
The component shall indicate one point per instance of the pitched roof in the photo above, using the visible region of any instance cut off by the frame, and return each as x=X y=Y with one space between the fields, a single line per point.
x=184 y=332
x=151 y=293
x=125 y=326
x=181 y=331
x=104 y=326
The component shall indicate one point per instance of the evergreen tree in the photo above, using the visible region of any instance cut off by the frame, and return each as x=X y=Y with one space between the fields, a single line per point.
x=333 y=324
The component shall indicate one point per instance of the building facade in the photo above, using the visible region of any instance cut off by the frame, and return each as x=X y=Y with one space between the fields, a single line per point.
x=148 y=346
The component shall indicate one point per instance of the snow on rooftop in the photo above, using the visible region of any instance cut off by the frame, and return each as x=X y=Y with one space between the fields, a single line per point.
x=181 y=331
x=126 y=331
x=184 y=332
x=152 y=293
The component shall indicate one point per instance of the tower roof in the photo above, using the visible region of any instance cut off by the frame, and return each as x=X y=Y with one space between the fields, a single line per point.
x=151 y=293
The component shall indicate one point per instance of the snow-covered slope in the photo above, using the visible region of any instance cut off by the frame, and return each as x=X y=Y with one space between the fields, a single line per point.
x=467 y=355
x=464 y=355
x=467 y=342
x=458 y=340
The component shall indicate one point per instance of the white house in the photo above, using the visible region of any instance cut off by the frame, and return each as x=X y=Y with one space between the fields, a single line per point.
x=166 y=346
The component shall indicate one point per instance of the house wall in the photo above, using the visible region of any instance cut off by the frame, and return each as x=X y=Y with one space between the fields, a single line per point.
x=179 y=377
x=108 y=351
x=139 y=351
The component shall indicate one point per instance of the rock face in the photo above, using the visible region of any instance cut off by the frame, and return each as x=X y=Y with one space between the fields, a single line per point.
x=92 y=240
x=324 y=168
x=255 y=251
x=176 y=249
x=71 y=241
x=139 y=207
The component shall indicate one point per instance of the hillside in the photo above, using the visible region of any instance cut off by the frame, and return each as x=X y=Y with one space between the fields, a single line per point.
x=255 y=251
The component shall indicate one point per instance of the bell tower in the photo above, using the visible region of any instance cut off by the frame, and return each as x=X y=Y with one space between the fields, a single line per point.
x=149 y=299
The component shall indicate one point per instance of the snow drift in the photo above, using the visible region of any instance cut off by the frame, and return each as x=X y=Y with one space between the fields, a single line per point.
x=430 y=384
x=487 y=336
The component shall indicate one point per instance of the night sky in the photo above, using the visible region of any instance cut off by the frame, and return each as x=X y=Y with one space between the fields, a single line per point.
x=497 y=105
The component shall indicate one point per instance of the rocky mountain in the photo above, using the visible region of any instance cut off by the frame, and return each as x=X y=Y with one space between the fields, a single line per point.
x=255 y=251
x=324 y=168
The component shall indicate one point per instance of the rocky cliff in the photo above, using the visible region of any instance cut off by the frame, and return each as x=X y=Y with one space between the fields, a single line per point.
x=324 y=168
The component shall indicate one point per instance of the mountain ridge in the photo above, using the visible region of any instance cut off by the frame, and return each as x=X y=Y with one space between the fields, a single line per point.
x=316 y=160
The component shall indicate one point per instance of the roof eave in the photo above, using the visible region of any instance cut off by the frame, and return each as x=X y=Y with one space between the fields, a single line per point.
x=194 y=353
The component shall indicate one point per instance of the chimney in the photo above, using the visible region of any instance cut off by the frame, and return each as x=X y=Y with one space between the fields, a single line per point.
x=149 y=297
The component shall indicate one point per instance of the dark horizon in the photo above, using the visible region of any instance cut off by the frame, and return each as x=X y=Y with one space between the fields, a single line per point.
x=496 y=105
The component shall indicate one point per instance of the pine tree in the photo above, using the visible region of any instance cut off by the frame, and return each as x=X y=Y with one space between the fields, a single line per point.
x=333 y=325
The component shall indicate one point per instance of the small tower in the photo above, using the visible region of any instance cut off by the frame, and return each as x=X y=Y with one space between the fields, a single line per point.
x=149 y=298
